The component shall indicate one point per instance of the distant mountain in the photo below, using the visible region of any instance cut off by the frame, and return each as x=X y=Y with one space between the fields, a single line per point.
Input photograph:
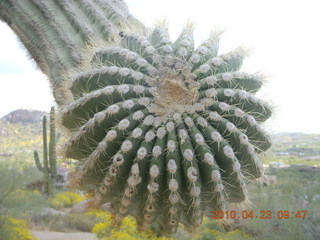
x=296 y=144
x=24 y=116
x=290 y=134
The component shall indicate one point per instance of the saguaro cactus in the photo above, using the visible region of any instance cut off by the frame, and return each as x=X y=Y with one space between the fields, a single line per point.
x=49 y=167
x=164 y=131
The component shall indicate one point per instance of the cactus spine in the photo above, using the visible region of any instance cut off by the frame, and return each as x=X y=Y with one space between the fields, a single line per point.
x=49 y=167
x=164 y=131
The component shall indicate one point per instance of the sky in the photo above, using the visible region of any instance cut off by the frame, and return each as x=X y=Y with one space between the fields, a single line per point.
x=284 y=37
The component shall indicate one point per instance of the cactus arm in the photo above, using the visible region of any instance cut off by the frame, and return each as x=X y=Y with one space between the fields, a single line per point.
x=52 y=153
x=45 y=149
x=37 y=161
x=58 y=20
x=56 y=33
x=46 y=171
x=30 y=38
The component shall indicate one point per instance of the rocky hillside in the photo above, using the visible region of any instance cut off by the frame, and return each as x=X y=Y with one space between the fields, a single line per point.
x=20 y=134
x=296 y=144
x=24 y=116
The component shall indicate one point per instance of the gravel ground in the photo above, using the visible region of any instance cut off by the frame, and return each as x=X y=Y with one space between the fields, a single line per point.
x=64 y=236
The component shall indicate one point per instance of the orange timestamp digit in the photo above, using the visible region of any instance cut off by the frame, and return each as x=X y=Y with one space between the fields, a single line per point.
x=265 y=214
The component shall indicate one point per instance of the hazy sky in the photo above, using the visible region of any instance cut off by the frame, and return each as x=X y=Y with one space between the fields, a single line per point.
x=284 y=35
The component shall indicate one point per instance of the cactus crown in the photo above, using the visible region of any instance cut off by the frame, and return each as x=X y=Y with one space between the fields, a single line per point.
x=165 y=132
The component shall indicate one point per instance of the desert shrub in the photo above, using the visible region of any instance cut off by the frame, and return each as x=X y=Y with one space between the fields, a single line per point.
x=105 y=230
x=211 y=234
x=15 y=175
x=66 y=199
x=67 y=222
x=210 y=230
x=212 y=224
x=11 y=179
x=22 y=203
x=293 y=192
x=14 y=229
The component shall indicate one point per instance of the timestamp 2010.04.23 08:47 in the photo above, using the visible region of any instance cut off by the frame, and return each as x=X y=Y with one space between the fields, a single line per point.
x=263 y=214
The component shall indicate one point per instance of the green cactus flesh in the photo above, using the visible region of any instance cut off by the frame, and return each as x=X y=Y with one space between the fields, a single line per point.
x=165 y=132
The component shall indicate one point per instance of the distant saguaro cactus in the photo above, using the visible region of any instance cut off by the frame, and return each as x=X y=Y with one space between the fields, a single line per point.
x=49 y=167
x=164 y=131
